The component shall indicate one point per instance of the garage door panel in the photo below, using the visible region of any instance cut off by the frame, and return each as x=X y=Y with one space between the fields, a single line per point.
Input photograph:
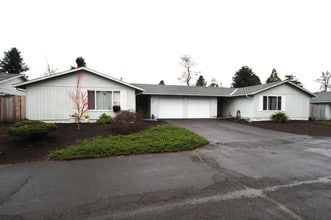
x=198 y=108
x=171 y=108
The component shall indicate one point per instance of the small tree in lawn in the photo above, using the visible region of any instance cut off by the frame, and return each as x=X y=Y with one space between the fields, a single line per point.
x=80 y=99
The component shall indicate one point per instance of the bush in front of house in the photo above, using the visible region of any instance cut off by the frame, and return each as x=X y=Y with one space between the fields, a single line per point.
x=279 y=117
x=156 y=139
x=127 y=122
x=30 y=128
x=104 y=119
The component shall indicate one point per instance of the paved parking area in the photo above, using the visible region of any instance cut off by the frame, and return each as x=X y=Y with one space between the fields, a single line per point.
x=245 y=172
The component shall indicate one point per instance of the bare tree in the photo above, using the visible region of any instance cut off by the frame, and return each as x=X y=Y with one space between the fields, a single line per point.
x=80 y=99
x=188 y=74
x=50 y=69
x=324 y=80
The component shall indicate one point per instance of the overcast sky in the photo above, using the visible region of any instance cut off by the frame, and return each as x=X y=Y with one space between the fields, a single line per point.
x=141 y=41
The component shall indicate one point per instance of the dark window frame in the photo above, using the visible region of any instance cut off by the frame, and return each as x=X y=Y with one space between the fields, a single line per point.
x=92 y=99
x=272 y=103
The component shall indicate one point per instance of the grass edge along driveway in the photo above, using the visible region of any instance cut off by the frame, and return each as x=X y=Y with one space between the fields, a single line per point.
x=156 y=139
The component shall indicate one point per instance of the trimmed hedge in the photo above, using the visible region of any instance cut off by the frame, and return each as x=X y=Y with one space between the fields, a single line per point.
x=30 y=128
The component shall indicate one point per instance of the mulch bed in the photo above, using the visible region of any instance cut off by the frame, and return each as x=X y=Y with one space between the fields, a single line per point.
x=16 y=150
x=311 y=128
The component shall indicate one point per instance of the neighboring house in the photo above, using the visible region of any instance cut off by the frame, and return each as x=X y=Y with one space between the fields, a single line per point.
x=48 y=97
x=12 y=101
x=320 y=106
x=7 y=81
x=254 y=103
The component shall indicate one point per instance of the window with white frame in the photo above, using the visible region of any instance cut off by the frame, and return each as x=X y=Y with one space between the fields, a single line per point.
x=272 y=103
x=102 y=100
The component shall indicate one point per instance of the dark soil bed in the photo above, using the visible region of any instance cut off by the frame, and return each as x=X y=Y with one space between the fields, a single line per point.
x=312 y=128
x=16 y=150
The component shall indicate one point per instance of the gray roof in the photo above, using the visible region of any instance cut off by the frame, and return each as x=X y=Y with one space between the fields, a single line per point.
x=321 y=97
x=48 y=77
x=6 y=76
x=211 y=91
x=150 y=89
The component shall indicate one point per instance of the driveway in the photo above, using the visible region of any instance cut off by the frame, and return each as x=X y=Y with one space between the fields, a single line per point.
x=245 y=172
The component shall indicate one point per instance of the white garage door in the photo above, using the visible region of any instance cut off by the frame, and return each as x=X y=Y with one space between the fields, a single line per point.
x=179 y=107
x=171 y=107
x=198 y=108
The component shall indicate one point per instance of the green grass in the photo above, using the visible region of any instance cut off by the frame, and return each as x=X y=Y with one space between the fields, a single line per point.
x=161 y=138
x=326 y=123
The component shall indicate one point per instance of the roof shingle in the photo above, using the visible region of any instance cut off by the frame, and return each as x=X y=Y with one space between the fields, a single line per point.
x=321 y=97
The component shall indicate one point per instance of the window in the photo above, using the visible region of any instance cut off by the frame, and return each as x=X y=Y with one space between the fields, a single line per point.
x=272 y=103
x=102 y=100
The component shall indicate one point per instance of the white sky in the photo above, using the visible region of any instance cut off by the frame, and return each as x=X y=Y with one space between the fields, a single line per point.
x=142 y=40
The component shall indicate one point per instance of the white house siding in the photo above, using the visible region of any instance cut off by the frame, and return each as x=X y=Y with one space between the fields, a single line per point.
x=179 y=107
x=295 y=103
x=7 y=88
x=231 y=106
x=49 y=100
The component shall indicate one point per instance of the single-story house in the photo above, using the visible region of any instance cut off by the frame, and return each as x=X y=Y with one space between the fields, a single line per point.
x=254 y=103
x=320 y=106
x=7 y=81
x=48 y=98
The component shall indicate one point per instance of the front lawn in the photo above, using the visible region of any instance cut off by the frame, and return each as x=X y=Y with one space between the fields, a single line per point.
x=161 y=138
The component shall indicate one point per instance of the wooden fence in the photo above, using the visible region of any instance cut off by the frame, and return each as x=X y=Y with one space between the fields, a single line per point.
x=12 y=108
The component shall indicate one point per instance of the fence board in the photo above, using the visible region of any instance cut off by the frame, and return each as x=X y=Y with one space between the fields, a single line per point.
x=12 y=108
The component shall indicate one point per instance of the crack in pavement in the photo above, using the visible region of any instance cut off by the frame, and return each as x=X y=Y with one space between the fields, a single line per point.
x=239 y=194
x=15 y=191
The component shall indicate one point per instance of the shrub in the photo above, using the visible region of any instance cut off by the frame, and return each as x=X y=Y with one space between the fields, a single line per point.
x=127 y=122
x=104 y=119
x=279 y=117
x=157 y=139
x=30 y=128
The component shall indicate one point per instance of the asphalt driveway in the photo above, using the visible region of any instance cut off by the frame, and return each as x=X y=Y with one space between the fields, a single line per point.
x=245 y=172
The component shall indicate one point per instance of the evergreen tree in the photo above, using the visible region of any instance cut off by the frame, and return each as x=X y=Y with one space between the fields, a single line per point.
x=245 y=77
x=201 y=81
x=161 y=83
x=13 y=62
x=80 y=62
x=293 y=79
x=273 y=77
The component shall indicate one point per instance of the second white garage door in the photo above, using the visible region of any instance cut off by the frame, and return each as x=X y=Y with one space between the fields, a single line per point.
x=183 y=107
x=198 y=108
